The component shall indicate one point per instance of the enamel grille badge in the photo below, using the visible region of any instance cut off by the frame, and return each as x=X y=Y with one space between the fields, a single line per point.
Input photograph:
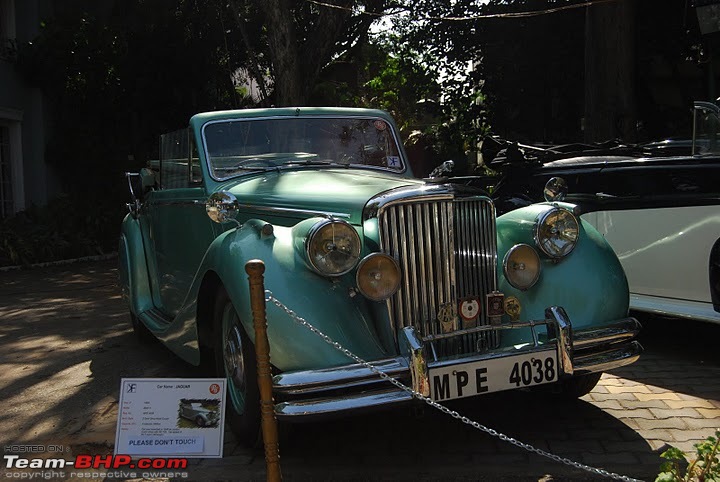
x=469 y=309
x=447 y=316
x=513 y=308
x=495 y=302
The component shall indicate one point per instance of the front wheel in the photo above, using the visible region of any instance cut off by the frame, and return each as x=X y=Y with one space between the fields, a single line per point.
x=578 y=386
x=235 y=361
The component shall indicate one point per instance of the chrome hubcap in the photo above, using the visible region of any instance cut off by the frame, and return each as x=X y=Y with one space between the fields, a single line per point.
x=234 y=364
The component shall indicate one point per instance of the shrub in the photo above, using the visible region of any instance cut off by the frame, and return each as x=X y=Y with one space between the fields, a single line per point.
x=704 y=468
x=65 y=228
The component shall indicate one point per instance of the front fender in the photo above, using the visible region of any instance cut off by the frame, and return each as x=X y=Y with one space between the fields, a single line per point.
x=589 y=283
x=327 y=304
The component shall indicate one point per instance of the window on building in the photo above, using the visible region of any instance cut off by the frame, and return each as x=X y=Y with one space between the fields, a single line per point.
x=8 y=46
x=6 y=194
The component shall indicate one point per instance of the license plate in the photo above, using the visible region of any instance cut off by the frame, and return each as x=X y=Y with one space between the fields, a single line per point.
x=493 y=375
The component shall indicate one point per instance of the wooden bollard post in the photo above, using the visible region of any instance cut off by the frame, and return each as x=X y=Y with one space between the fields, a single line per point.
x=255 y=269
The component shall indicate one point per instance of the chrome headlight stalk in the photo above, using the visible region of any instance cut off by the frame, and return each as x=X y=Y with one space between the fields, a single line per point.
x=332 y=247
x=521 y=266
x=556 y=232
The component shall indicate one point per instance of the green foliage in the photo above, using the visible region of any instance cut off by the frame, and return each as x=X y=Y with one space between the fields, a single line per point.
x=530 y=70
x=383 y=73
x=115 y=74
x=65 y=228
x=519 y=76
x=118 y=73
x=704 y=468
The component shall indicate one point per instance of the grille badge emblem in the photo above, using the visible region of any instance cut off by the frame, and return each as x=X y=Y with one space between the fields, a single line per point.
x=513 y=307
x=495 y=306
x=447 y=316
x=469 y=311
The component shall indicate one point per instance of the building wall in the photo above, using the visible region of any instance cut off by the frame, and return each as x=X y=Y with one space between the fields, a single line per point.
x=22 y=110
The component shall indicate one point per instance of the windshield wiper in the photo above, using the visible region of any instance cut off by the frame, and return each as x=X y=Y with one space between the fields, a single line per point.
x=244 y=168
x=312 y=162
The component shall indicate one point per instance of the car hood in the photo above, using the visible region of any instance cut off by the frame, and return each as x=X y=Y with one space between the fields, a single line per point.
x=343 y=192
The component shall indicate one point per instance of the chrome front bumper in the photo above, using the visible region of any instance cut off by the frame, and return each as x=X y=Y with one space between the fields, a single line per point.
x=340 y=390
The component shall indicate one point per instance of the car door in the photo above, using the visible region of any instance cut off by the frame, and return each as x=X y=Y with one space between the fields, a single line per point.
x=666 y=252
x=177 y=230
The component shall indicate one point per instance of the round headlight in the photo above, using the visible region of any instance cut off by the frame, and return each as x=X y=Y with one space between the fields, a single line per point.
x=333 y=247
x=522 y=266
x=378 y=276
x=556 y=232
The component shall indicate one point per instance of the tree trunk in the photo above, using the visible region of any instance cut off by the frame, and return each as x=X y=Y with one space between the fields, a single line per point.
x=298 y=58
x=610 y=110
x=284 y=52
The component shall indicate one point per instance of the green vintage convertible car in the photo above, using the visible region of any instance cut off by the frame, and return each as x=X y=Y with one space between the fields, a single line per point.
x=418 y=277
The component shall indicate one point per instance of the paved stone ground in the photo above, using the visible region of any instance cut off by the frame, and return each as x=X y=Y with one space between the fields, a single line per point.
x=65 y=342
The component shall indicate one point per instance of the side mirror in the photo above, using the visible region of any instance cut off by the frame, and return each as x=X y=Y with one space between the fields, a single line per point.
x=556 y=189
x=221 y=207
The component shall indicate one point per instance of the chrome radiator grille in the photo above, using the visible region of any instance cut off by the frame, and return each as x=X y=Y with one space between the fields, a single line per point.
x=447 y=250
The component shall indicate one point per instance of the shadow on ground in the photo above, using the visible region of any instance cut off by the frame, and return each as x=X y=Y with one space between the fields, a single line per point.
x=417 y=443
x=680 y=355
x=65 y=343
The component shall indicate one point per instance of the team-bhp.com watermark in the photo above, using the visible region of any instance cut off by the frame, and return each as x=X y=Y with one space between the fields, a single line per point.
x=19 y=463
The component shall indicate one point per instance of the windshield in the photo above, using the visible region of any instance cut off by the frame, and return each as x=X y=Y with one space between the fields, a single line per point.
x=241 y=145
x=706 y=129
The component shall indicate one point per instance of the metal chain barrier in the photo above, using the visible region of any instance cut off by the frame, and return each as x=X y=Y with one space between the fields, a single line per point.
x=300 y=320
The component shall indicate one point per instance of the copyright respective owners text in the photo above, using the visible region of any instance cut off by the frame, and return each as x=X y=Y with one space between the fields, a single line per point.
x=57 y=462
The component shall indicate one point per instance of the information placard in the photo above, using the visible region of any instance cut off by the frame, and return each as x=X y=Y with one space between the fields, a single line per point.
x=171 y=416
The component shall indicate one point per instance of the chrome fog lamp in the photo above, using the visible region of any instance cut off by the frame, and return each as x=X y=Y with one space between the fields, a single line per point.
x=378 y=276
x=522 y=266
x=332 y=247
x=556 y=232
